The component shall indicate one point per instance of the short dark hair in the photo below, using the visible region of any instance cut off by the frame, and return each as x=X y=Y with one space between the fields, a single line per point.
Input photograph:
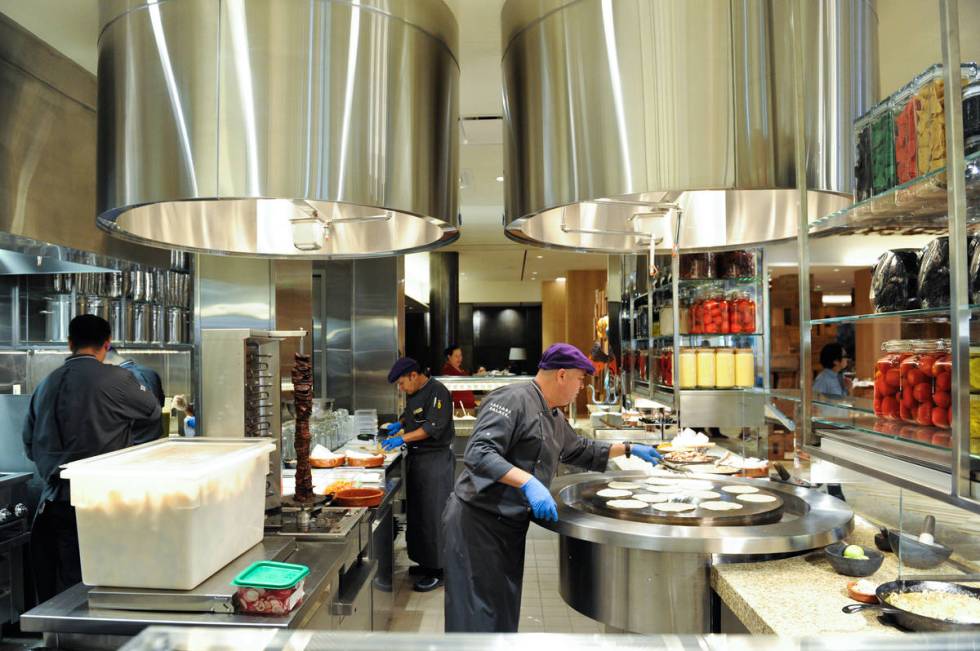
x=451 y=349
x=830 y=353
x=88 y=331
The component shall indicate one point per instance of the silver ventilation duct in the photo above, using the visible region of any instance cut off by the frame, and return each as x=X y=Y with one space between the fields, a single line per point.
x=613 y=108
x=307 y=128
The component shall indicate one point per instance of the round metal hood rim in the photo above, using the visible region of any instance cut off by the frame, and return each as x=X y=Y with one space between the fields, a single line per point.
x=436 y=19
x=106 y=221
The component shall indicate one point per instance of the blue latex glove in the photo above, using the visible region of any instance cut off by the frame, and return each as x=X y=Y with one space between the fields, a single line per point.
x=394 y=428
x=645 y=452
x=542 y=504
x=390 y=444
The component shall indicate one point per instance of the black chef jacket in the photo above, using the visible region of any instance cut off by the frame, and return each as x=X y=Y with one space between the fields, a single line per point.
x=83 y=409
x=146 y=430
x=515 y=428
x=430 y=408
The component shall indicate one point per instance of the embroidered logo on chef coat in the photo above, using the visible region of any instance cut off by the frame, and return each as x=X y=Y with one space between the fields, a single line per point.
x=437 y=402
x=499 y=409
x=417 y=411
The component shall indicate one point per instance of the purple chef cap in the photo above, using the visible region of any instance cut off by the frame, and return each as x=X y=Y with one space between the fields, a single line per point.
x=565 y=356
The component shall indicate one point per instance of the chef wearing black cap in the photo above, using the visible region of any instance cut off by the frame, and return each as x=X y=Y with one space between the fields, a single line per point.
x=518 y=439
x=427 y=432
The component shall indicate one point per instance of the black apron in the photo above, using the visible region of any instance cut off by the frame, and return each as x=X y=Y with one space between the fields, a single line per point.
x=429 y=481
x=484 y=569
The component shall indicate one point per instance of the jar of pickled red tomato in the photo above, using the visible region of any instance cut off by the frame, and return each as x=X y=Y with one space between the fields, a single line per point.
x=888 y=378
x=743 y=314
x=712 y=313
x=694 y=321
x=942 y=387
x=918 y=383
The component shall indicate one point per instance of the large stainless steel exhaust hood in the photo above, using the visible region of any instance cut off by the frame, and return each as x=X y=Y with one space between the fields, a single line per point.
x=613 y=108
x=307 y=128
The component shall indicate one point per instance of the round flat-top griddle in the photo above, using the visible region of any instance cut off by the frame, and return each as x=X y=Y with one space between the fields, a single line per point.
x=751 y=513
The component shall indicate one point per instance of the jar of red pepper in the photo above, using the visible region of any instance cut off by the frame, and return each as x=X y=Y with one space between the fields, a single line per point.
x=888 y=379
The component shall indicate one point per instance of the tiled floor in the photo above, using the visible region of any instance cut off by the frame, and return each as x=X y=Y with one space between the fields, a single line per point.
x=542 y=608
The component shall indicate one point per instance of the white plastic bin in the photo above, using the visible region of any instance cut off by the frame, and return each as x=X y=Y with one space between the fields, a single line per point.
x=168 y=514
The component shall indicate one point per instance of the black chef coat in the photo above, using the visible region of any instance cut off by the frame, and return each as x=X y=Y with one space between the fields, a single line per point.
x=83 y=409
x=146 y=430
x=515 y=427
x=429 y=472
x=430 y=408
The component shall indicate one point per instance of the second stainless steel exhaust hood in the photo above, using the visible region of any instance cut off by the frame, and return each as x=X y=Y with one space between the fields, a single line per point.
x=301 y=128
x=613 y=108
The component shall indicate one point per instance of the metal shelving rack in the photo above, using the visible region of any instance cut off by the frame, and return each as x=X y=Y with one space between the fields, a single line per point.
x=846 y=432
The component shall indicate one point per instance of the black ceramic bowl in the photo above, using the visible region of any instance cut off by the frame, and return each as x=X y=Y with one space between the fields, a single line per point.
x=853 y=566
x=881 y=540
x=919 y=555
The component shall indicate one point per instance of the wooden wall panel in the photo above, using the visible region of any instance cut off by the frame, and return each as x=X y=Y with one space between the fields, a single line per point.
x=552 y=313
x=580 y=296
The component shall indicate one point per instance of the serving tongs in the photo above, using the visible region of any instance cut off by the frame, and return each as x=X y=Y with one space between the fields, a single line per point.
x=672 y=466
x=786 y=478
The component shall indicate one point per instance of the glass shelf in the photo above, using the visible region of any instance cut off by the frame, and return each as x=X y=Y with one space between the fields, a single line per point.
x=708 y=281
x=928 y=437
x=705 y=336
x=920 y=203
x=931 y=315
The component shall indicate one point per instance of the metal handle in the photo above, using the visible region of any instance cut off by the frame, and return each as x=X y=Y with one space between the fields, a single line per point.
x=856 y=608
x=929 y=525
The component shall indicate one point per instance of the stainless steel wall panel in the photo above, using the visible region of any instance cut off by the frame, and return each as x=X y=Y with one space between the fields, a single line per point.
x=375 y=333
x=234 y=293
x=13 y=368
x=226 y=121
x=47 y=152
x=610 y=107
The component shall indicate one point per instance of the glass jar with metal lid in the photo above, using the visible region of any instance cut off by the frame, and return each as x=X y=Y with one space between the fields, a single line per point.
x=888 y=378
x=744 y=368
x=725 y=368
x=919 y=383
x=706 y=368
x=688 y=368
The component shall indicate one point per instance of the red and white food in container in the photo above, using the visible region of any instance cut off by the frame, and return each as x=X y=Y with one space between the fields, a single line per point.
x=270 y=588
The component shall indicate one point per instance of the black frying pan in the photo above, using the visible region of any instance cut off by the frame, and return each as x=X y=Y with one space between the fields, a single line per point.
x=910 y=620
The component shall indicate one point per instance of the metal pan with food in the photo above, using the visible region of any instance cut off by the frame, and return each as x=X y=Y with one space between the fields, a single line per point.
x=927 y=606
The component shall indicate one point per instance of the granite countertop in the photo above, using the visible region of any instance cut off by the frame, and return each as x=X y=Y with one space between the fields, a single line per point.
x=803 y=595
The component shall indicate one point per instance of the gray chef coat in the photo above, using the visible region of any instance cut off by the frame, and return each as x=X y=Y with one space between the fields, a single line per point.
x=430 y=408
x=515 y=428
x=83 y=409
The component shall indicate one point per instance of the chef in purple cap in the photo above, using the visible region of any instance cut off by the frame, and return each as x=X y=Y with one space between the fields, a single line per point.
x=519 y=437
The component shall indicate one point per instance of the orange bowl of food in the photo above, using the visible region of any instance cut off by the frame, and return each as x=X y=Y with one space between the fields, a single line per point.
x=358 y=497
x=366 y=461
x=332 y=462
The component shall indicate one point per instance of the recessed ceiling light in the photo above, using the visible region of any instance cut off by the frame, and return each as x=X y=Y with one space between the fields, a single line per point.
x=817 y=287
x=500 y=179
x=843 y=282
x=560 y=279
x=836 y=270
x=539 y=256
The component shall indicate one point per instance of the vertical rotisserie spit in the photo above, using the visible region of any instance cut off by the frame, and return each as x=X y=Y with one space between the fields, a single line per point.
x=303 y=400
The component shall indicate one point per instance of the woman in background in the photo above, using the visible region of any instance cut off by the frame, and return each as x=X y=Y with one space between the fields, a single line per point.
x=454 y=366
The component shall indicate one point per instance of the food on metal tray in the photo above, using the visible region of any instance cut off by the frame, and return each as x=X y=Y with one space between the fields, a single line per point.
x=948 y=606
x=758 y=498
x=705 y=495
x=663 y=489
x=651 y=498
x=674 y=507
x=610 y=493
x=660 y=481
x=623 y=484
x=739 y=489
x=687 y=456
x=720 y=506
x=626 y=504
x=695 y=485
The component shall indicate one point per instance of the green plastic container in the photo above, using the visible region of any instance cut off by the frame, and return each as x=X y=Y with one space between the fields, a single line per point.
x=271 y=575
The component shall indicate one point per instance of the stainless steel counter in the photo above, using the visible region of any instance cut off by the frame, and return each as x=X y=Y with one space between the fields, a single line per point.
x=171 y=639
x=69 y=620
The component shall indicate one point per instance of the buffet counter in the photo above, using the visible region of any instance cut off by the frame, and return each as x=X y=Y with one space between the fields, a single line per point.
x=803 y=595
